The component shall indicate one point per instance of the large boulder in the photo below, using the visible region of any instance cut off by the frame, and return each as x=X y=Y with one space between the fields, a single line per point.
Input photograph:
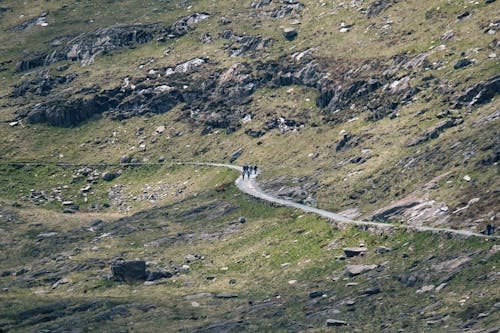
x=129 y=271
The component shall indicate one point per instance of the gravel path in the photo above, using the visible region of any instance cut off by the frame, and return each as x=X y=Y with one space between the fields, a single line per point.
x=251 y=187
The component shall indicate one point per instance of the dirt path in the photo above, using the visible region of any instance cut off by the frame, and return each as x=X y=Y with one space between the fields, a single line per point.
x=251 y=187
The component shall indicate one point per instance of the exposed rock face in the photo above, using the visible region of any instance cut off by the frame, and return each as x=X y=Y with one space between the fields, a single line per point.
x=86 y=47
x=482 y=92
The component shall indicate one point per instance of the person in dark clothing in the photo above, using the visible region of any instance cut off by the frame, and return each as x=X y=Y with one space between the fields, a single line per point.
x=245 y=168
x=249 y=173
x=255 y=169
x=489 y=229
x=243 y=174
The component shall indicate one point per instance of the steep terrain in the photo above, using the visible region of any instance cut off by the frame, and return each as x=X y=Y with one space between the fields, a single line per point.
x=382 y=110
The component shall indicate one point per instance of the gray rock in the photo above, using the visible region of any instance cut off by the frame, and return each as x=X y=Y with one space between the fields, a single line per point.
x=334 y=322
x=354 y=251
x=160 y=274
x=316 y=294
x=353 y=270
x=384 y=249
x=235 y=155
x=129 y=271
x=225 y=296
x=242 y=219
x=109 y=176
x=461 y=63
x=289 y=33
x=371 y=291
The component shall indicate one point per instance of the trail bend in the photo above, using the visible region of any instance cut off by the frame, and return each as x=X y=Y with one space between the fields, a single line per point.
x=250 y=187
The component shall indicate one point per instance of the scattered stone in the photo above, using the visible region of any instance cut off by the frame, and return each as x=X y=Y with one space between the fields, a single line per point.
x=425 y=289
x=354 y=251
x=67 y=203
x=126 y=159
x=226 y=296
x=160 y=129
x=461 y=63
x=371 y=291
x=13 y=123
x=384 y=249
x=160 y=274
x=292 y=281
x=289 y=33
x=62 y=281
x=242 y=219
x=440 y=287
x=448 y=35
x=334 y=322
x=316 y=294
x=353 y=270
x=235 y=155
x=129 y=271
x=109 y=176
x=195 y=304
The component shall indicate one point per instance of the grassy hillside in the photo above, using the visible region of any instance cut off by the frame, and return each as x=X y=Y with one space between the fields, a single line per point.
x=384 y=110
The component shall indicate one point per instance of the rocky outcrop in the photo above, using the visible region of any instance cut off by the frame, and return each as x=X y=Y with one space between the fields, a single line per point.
x=85 y=47
x=40 y=84
x=482 y=92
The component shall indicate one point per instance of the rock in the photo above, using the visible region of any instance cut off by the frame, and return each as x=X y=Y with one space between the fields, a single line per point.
x=467 y=178
x=242 y=219
x=354 y=251
x=235 y=155
x=161 y=159
x=190 y=258
x=109 y=176
x=353 y=270
x=440 y=287
x=334 y=322
x=462 y=63
x=371 y=291
x=225 y=296
x=67 y=203
x=316 y=294
x=13 y=123
x=384 y=249
x=160 y=274
x=434 y=131
x=289 y=33
x=129 y=271
x=447 y=35
x=425 y=289
x=482 y=92
x=160 y=129
x=206 y=38
x=126 y=159
x=463 y=15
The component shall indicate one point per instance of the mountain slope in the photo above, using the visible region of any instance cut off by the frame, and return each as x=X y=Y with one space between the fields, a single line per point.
x=383 y=110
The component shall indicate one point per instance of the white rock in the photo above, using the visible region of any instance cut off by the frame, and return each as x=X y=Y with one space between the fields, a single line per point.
x=467 y=178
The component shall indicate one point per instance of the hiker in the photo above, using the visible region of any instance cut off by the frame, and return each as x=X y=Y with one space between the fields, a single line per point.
x=255 y=169
x=243 y=174
x=245 y=168
x=489 y=229
x=248 y=174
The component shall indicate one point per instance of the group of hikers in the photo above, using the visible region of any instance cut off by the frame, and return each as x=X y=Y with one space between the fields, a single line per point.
x=248 y=170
